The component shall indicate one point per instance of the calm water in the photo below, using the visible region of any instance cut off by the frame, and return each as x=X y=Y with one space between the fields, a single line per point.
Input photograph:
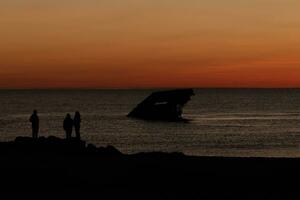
x=223 y=121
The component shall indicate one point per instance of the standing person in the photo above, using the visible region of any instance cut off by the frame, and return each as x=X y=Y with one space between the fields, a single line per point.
x=35 y=122
x=68 y=126
x=77 y=121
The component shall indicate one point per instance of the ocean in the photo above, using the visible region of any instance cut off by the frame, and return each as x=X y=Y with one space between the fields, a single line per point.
x=222 y=122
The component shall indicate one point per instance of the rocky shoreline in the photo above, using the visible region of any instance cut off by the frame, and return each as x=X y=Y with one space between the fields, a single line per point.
x=71 y=166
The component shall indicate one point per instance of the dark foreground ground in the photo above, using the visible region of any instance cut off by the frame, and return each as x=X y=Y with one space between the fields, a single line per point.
x=53 y=166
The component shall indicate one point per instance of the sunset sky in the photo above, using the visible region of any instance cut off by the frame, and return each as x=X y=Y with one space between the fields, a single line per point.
x=149 y=43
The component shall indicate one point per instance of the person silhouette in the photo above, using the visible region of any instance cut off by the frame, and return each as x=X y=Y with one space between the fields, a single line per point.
x=77 y=121
x=34 y=119
x=68 y=126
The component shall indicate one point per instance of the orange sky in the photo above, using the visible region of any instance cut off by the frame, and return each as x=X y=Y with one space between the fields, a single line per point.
x=149 y=43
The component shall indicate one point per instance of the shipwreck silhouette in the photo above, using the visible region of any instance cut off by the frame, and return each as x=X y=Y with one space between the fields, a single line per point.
x=163 y=105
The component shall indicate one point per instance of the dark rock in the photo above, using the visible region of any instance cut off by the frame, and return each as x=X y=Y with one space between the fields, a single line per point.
x=54 y=165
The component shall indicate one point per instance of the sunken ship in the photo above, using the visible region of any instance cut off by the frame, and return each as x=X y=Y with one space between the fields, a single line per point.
x=163 y=105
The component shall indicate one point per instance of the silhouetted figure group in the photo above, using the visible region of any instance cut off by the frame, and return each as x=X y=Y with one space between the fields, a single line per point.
x=35 y=122
x=67 y=125
x=77 y=121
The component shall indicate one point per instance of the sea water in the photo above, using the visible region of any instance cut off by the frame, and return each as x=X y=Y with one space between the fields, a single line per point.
x=222 y=122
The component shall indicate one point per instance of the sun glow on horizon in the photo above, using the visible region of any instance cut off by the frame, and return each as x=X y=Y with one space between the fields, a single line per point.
x=149 y=44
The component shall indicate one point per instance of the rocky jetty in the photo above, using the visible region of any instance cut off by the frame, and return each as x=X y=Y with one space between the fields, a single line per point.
x=54 y=145
x=51 y=165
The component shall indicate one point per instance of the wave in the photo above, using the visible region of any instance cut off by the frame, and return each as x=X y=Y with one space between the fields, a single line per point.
x=243 y=116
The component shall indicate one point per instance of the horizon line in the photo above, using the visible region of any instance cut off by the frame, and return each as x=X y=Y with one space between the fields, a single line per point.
x=145 y=88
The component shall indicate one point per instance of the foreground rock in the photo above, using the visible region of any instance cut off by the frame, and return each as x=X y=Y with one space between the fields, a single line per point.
x=73 y=167
x=54 y=145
